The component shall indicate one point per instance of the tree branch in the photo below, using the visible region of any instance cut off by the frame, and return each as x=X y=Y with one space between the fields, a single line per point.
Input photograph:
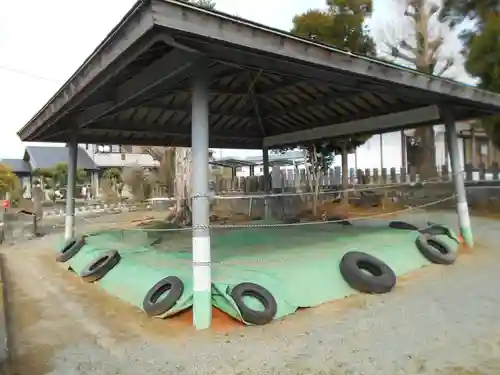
x=403 y=44
x=447 y=65
x=396 y=53
x=434 y=45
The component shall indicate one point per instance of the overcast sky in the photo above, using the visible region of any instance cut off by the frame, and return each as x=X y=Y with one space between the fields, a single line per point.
x=43 y=42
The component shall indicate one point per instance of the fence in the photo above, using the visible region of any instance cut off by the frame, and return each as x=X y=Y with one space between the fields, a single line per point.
x=292 y=179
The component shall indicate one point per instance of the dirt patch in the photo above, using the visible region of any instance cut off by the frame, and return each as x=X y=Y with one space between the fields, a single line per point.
x=341 y=210
x=118 y=311
x=418 y=274
x=463 y=249
x=28 y=357
x=221 y=322
x=225 y=217
x=121 y=320
x=53 y=308
x=156 y=220
x=123 y=220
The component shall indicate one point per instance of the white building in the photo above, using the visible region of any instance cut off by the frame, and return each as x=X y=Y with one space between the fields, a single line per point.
x=117 y=156
x=380 y=151
x=107 y=156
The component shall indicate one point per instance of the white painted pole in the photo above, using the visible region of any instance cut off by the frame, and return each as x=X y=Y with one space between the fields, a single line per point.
x=202 y=283
x=69 y=227
x=381 y=152
x=267 y=182
x=458 y=179
x=404 y=152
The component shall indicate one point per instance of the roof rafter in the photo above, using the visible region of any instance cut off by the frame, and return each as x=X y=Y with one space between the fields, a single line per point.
x=149 y=58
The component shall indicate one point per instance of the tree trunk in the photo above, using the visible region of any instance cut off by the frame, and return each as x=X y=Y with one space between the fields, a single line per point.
x=182 y=187
x=345 y=176
x=425 y=152
x=313 y=184
x=316 y=195
x=167 y=170
x=37 y=197
x=473 y=148
x=424 y=56
x=316 y=175
x=175 y=175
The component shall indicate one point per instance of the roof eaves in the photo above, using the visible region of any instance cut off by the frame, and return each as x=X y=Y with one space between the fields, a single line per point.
x=139 y=4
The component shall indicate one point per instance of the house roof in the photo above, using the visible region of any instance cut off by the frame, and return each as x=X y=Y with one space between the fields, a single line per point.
x=41 y=157
x=232 y=162
x=266 y=87
x=274 y=159
x=17 y=165
x=286 y=158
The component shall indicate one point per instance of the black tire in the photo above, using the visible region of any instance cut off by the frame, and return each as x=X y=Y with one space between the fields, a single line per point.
x=100 y=266
x=70 y=249
x=154 y=306
x=435 y=250
x=437 y=230
x=263 y=295
x=402 y=225
x=366 y=273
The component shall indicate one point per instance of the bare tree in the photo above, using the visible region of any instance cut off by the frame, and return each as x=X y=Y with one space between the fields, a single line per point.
x=165 y=173
x=174 y=174
x=136 y=180
x=182 y=187
x=418 y=39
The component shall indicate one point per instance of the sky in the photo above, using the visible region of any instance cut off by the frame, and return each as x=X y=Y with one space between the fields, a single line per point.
x=41 y=48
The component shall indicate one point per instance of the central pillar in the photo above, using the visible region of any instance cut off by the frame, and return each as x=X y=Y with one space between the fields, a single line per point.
x=69 y=228
x=95 y=183
x=267 y=183
x=202 y=283
x=458 y=178
x=404 y=152
x=381 y=152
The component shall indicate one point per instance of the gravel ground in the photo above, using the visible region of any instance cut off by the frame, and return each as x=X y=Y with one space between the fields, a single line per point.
x=440 y=320
x=55 y=224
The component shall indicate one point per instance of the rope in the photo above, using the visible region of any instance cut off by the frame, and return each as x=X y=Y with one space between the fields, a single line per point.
x=274 y=225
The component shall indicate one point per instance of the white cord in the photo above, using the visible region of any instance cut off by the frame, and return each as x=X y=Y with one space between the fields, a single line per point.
x=274 y=225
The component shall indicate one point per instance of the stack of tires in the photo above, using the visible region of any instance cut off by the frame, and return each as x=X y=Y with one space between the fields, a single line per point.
x=368 y=274
x=160 y=299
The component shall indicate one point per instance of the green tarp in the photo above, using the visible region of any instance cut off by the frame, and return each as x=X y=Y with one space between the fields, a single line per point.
x=299 y=265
